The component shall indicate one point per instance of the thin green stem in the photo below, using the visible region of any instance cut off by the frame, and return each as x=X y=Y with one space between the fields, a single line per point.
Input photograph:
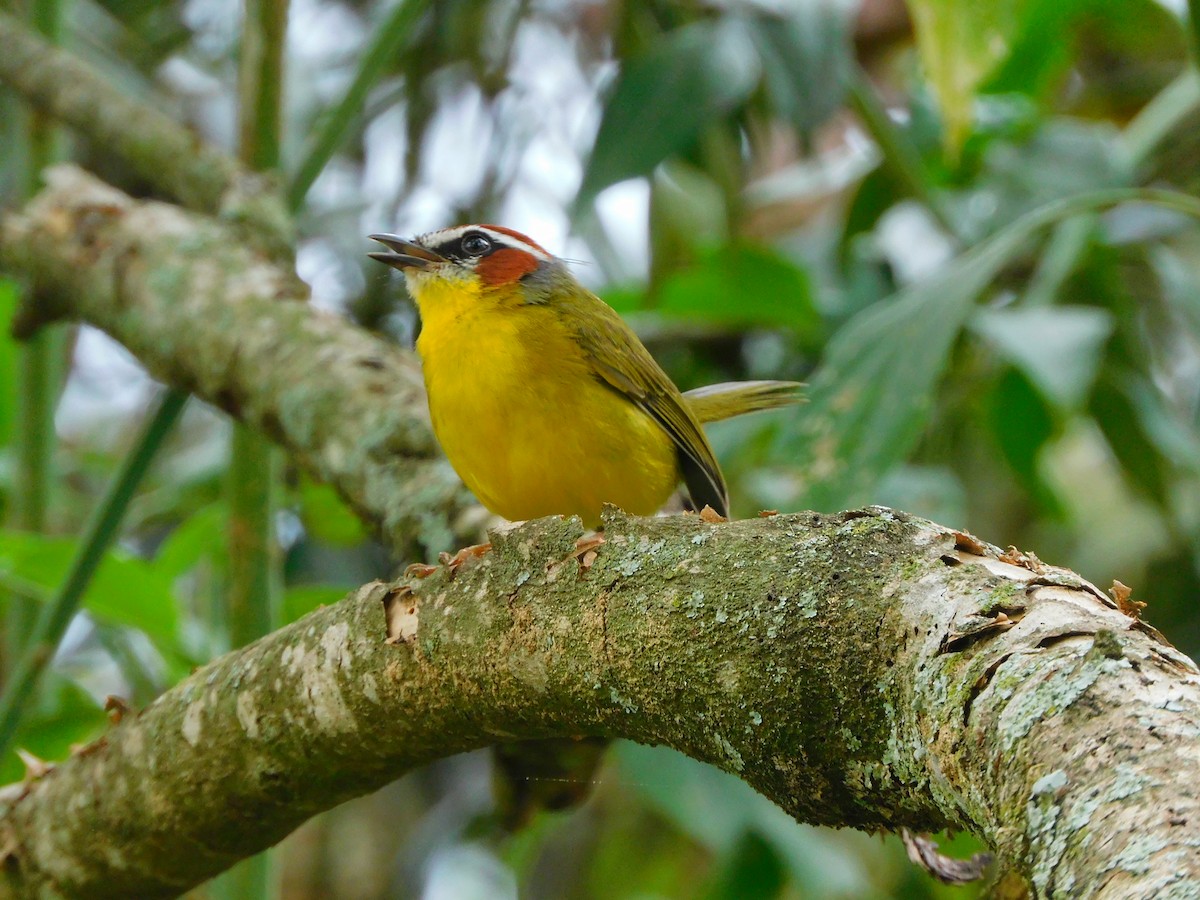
x=254 y=581
x=1160 y=117
x=332 y=130
x=1194 y=28
x=254 y=465
x=101 y=531
x=45 y=137
x=899 y=153
x=260 y=83
x=36 y=393
x=39 y=376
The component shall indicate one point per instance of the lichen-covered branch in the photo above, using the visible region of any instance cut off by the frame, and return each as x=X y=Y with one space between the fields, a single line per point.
x=160 y=150
x=865 y=670
x=207 y=313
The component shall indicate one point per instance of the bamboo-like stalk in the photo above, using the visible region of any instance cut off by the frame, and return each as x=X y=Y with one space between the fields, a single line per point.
x=40 y=369
x=253 y=465
x=255 y=576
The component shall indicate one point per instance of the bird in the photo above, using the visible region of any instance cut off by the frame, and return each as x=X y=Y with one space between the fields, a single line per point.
x=542 y=397
x=547 y=403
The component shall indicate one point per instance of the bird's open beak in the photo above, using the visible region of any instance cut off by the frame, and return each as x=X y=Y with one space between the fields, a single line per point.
x=403 y=254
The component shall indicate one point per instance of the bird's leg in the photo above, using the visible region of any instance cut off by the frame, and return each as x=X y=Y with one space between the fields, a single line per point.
x=588 y=543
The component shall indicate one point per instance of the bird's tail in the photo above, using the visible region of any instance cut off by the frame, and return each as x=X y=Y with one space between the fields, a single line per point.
x=716 y=402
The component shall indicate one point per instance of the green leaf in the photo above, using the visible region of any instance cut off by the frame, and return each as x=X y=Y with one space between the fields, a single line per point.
x=125 y=590
x=871 y=397
x=875 y=195
x=1022 y=425
x=1180 y=283
x=1175 y=437
x=1115 y=410
x=199 y=536
x=752 y=870
x=64 y=715
x=326 y=516
x=1041 y=51
x=300 y=600
x=625 y=299
x=662 y=101
x=688 y=792
x=960 y=45
x=1063 y=158
x=1059 y=348
x=742 y=285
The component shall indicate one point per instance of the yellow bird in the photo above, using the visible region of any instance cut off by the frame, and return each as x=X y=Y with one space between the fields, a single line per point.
x=543 y=399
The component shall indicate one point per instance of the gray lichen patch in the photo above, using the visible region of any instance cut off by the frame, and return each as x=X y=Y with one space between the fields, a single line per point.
x=247 y=714
x=1050 y=695
x=192 y=721
x=319 y=675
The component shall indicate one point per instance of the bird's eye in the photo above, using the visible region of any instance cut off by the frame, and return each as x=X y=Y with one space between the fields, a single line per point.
x=475 y=244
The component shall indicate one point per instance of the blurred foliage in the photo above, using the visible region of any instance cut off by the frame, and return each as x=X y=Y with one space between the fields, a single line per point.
x=990 y=338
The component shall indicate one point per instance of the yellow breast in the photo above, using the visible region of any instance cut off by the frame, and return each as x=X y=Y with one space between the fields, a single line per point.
x=523 y=419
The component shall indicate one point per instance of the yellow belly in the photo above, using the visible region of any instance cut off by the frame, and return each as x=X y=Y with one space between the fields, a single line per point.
x=528 y=427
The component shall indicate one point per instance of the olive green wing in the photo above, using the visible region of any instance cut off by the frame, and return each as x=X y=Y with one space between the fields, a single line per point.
x=621 y=361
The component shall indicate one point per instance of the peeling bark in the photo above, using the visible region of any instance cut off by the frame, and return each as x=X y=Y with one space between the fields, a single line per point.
x=868 y=670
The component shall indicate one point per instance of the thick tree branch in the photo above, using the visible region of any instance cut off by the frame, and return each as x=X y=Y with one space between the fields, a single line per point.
x=866 y=669
x=205 y=312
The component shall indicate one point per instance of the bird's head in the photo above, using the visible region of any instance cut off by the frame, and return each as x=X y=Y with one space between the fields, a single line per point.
x=483 y=256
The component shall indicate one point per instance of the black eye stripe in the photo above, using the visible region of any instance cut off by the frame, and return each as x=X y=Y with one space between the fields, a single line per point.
x=472 y=245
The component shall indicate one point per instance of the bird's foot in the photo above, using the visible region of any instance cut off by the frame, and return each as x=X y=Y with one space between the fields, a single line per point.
x=585 y=550
x=453 y=563
x=420 y=570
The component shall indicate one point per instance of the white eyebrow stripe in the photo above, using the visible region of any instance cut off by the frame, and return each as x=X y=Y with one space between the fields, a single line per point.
x=444 y=235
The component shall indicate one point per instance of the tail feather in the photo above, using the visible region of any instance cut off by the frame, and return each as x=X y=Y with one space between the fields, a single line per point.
x=716 y=402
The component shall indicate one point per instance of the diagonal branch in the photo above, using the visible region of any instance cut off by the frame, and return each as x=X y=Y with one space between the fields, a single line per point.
x=868 y=670
x=205 y=313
